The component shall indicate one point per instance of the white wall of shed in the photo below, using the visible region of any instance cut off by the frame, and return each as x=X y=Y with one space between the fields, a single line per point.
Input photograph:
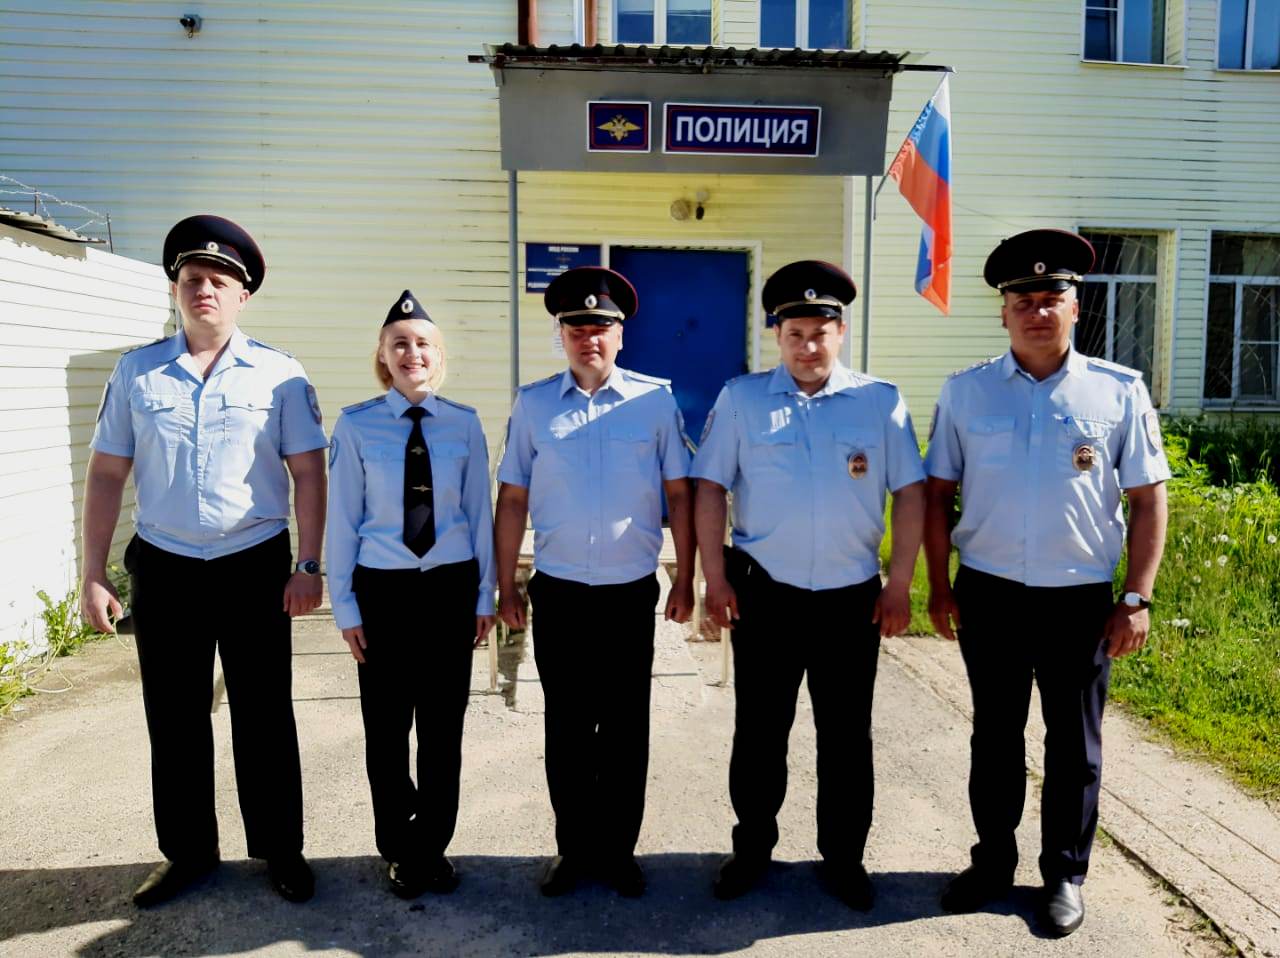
x=66 y=314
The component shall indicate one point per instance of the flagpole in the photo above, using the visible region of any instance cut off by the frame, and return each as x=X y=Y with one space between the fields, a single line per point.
x=868 y=220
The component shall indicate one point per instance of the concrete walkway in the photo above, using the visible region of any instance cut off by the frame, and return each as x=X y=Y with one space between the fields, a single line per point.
x=78 y=837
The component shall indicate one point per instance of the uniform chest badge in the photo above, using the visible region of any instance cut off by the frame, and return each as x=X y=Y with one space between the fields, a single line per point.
x=1083 y=457
x=857 y=464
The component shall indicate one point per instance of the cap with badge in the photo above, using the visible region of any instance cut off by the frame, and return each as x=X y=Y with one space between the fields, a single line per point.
x=217 y=240
x=808 y=287
x=406 y=307
x=1038 y=261
x=591 y=296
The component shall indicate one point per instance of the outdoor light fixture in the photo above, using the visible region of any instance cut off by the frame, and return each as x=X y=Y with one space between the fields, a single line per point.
x=191 y=22
x=680 y=210
x=702 y=196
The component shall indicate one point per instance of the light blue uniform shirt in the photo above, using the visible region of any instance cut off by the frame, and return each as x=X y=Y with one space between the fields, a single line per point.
x=207 y=453
x=594 y=467
x=790 y=460
x=366 y=495
x=1032 y=511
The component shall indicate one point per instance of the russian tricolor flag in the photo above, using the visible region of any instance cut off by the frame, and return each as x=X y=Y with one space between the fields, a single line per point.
x=922 y=169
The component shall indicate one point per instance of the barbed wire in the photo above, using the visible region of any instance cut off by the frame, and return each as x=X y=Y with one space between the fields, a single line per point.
x=41 y=207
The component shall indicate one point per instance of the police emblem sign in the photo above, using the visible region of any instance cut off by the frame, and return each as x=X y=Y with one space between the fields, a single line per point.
x=614 y=127
x=729 y=130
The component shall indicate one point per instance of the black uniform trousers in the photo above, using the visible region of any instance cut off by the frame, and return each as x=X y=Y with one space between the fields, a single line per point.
x=782 y=634
x=420 y=630
x=1011 y=633
x=593 y=645
x=184 y=609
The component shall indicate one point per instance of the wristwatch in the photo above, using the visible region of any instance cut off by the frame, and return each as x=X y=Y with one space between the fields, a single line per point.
x=1136 y=600
x=308 y=567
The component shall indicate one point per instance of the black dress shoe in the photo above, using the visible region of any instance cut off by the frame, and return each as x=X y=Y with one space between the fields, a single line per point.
x=850 y=883
x=407 y=879
x=561 y=875
x=169 y=878
x=440 y=876
x=1063 y=907
x=738 y=875
x=625 y=876
x=291 y=877
x=973 y=888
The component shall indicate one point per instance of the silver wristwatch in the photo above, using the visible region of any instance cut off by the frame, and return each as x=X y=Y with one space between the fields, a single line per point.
x=308 y=567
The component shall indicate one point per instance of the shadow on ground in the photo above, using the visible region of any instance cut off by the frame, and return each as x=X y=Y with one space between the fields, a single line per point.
x=497 y=910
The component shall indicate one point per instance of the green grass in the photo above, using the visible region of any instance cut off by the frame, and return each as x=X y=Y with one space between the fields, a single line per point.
x=1209 y=676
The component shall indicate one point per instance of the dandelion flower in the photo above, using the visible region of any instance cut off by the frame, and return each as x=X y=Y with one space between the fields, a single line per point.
x=1208 y=564
x=1222 y=561
x=1224 y=538
x=1195 y=579
x=1180 y=623
x=1178 y=556
x=1271 y=539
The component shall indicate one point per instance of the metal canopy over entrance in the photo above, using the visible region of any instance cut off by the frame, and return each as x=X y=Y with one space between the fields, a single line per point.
x=631 y=109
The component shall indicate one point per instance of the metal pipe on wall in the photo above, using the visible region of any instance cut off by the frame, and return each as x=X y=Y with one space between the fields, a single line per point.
x=527 y=22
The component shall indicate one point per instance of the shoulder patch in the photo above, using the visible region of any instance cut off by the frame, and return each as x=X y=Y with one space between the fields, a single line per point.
x=1111 y=367
x=554 y=377
x=646 y=378
x=274 y=349
x=368 y=403
x=980 y=364
x=154 y=342
x=455 y=404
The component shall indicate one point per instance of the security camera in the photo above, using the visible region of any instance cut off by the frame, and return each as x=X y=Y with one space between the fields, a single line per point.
x=191 y=22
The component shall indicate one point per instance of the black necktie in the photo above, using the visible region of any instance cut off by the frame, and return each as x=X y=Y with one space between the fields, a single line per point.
x=419 y=502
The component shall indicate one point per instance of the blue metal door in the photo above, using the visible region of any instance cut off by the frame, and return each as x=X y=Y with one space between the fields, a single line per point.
x=691 y=326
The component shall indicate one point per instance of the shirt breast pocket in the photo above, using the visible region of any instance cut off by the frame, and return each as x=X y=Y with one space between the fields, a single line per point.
x=448 y=456
x=858 y=452
x=773 y=451
x=990 y=441
x=559 y=449
x=245 y=418
x=163 y=417
x=631 y=447
x=1084 y=446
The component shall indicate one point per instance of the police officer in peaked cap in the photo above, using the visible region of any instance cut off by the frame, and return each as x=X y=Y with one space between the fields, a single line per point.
x=590 y=452
x=809 y=450
x=212 y=424
x=1045 y=443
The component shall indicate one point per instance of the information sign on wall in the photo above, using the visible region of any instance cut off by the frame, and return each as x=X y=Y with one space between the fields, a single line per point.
x=543 y=262
x=614 y=127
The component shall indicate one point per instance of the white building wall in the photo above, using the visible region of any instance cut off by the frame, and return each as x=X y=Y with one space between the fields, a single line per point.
x=66 y=314
x=354 y=141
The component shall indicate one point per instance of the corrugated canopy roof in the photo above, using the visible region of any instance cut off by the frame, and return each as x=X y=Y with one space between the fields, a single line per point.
x=692 y=58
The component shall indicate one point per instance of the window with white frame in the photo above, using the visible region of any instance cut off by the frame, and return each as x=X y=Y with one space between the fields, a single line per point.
x=815 y=24
x=1249 y=34
x=1119 y=309
x=677 y=22
x=1124 y=31
x=1242 y=335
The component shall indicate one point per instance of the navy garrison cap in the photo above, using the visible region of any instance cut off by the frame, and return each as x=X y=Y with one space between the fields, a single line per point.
x=406 y=307
x=217 y=240
x=591 y=296
x=808 y=287
x=1039 y=260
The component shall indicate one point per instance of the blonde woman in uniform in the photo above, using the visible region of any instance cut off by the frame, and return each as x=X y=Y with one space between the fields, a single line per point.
x=411 y=581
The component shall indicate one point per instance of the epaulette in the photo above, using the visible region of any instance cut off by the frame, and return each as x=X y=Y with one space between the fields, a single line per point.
x=540 y=382
x=980 y=364
x=154 y=342
x=356 y=407
x=1111 y=367
x=455 y=404
x=745 y=376
x=646 y=378
x=274 y=349
x=867 y=377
